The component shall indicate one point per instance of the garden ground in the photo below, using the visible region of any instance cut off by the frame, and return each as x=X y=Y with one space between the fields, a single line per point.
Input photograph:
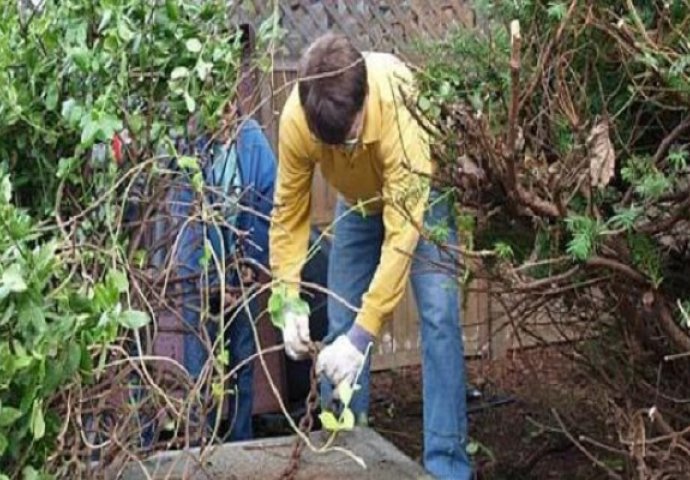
x=516 y=441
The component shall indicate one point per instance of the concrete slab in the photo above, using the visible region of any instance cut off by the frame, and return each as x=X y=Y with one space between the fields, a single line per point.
x=266 y=459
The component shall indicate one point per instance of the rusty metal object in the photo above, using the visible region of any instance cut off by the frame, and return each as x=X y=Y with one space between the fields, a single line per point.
x=307 y=421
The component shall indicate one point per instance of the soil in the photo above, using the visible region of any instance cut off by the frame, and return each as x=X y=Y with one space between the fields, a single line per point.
x=519 y=440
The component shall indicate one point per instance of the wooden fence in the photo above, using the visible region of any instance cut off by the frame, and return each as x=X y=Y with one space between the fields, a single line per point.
x=382 y=25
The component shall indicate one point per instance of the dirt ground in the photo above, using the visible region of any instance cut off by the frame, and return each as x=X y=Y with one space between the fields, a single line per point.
x=519 y=440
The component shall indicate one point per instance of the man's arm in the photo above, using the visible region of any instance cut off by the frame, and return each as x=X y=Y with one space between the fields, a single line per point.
x=289 y=233
x=405 y=151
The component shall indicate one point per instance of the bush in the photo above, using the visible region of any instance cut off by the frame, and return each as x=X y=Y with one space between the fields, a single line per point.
x=567 y=142
x=73 y=73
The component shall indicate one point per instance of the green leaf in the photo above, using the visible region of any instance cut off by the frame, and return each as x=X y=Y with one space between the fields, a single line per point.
x=557 y=11
x=217 y=390
x=21 y=358
x=329 y=422
x=118 y=280
x=38 y=424
x=472 y=448
x=33 y=314
x=7 y=314
x=88 y=133
x=51 y=97
x=345 y=392
x=189 y=102
x=81 y=56
x=198 y=182
x=179 y=72
x=124 y=32
x=9 y=415
x=73 y=359
x=193 y=45
x=172 y=9
x=105 y=19
x=678 y=159
x=3 y=447
x=683 y=309
x=30 y=473
x=275 y=302
x=133 y=319
x=6 y=189
x=625 y=218
x=72 y=112
x=276 y=305
x=107 y=126
x=13 y=280
x=584 y=232
x=207 y=254
x=503 y=250
x=347 y=420
x=653 y=185
x=203 y=69
x=188 y=163
x=424 y=104
x=224 y=358
x=140 y=257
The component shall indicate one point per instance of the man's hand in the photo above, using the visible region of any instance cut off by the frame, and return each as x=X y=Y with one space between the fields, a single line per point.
x=342 y=360
x=296 y=335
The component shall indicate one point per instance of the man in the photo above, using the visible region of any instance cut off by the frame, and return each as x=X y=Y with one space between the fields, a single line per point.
x=237 y=159
x=347 y=115
x=241 y=161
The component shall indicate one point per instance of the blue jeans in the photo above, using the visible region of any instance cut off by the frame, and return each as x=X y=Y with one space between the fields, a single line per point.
x=241 y=345
x=239 y=338
x=355 y=254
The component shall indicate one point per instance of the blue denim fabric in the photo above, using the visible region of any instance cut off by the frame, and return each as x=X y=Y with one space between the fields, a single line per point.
x=355 y=254
x=240 y=340
x=257 y=168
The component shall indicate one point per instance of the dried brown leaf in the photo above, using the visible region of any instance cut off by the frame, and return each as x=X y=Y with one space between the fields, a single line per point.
x=602 y=159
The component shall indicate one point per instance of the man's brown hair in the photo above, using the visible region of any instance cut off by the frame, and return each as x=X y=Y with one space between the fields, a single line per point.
x=332 y=87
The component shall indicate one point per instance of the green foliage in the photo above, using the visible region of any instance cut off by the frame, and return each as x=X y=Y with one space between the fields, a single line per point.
x=346 y=419
x=71 y=76
x=468 y=66
x=584 y=232
x=625 y=218
x=649 y=182
x=678 y=158
x=557 y=10
x=646 y=256
x=439 y=232
x=82 y=70
x=49 y=325
x=282 y=301
x=563 y=136
x=503 y=250
x=684 y=313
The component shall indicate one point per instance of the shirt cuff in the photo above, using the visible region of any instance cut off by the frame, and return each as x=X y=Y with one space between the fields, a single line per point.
x=360 y=338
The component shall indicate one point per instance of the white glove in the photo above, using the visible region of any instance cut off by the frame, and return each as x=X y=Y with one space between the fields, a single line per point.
x=340 y=361
x=296 y=335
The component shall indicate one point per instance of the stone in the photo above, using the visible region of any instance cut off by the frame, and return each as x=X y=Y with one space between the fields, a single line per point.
x=267 y=458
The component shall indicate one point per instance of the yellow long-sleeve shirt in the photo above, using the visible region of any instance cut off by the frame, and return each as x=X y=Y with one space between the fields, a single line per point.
x=383 y=174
